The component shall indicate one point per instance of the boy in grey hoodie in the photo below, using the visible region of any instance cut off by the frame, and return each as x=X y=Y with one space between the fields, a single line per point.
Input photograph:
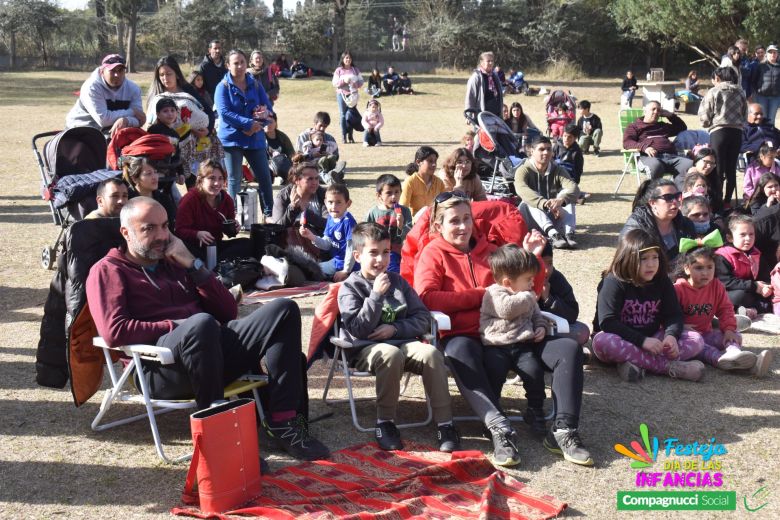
x=383 y=317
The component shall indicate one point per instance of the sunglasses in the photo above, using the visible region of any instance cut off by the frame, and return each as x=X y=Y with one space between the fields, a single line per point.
x=670 y=197
x=447 y=195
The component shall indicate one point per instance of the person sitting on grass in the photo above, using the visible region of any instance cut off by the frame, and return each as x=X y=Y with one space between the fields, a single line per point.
x=390 y=81
x=422 y=185
x=591 y=130
x=766 y=162
x=405 y=84
x=512 y=327
x=567 y=153
x=373 y=121
x=737 y=267
x=389 y=214
x=703 y=298
x=638 y=321
x=549 y=193
x=697 y=209
x=321 y=123
x=460 y=173
x=558 y=298
x=338 y=233
x=384 y=318
x=766 y=195
x=154 y=291
x=325 y=154
x=111 y=197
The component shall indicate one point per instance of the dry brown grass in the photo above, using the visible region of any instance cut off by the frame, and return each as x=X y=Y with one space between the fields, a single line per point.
x=53 y=465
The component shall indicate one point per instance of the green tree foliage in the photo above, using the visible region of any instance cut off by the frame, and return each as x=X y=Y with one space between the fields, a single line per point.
x=308 y=33
x=34 y=19
x=707 y=27
x=128 y=11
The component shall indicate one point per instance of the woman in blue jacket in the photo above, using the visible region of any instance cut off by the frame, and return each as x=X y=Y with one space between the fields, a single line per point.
x=243 y=107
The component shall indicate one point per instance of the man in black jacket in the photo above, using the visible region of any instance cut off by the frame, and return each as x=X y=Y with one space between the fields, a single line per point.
x=758 y=130
x=213 y=67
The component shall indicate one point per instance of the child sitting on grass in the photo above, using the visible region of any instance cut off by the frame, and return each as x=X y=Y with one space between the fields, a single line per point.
x=373 y=121
x=511 y=323
x=392 y=216
x=337 y=235
x=764 y=163
x=591 y=129
x=702 y=298
x=638 y=318
x=384 y=318
x=736 y=265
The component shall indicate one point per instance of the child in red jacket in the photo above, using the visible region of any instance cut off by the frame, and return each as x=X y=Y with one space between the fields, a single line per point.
x=702 y=298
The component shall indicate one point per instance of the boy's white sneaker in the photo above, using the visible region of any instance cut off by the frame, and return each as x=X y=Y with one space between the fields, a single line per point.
x=763 y=362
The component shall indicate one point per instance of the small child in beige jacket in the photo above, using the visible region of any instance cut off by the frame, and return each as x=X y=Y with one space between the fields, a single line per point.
x=510 y=321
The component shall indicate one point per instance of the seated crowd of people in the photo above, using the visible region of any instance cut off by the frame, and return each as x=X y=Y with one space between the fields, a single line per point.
x=689 y=273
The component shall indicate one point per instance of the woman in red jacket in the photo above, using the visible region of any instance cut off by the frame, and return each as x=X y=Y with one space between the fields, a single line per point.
x=207 y=213
x=451 y=276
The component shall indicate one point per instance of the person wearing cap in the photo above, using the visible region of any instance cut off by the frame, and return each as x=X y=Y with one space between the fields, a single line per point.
x=766 y=84
x=108 y=99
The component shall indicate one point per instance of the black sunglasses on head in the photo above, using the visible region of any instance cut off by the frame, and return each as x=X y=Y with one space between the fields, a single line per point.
x=447 y=195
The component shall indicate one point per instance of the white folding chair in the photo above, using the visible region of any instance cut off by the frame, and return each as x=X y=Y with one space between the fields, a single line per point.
x=119 y=393
x=341 y=362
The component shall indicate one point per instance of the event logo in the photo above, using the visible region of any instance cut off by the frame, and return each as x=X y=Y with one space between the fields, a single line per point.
x=685 y=467
x=700 y=466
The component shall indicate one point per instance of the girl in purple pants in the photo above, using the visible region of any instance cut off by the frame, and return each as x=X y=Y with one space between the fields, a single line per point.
x=638 y=316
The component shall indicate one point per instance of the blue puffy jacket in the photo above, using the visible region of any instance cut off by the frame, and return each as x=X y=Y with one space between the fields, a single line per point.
x=235 y=108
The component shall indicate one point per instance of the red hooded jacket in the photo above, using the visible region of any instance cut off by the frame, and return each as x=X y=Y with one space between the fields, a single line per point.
x=454 y=282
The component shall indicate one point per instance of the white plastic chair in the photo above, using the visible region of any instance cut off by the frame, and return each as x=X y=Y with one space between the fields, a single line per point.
x=119 y=393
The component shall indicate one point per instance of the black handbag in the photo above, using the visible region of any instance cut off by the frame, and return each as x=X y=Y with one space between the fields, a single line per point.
x=265 y=234
x=239 y=271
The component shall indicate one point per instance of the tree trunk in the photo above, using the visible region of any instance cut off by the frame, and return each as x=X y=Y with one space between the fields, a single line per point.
x=278 y=8
x=339 y=22
x=42 y=44
x=120 y=34
x=102 y=37
x=12 y=51
x=131 y=30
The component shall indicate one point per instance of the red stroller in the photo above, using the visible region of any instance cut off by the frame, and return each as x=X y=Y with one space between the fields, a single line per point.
x=560 y=108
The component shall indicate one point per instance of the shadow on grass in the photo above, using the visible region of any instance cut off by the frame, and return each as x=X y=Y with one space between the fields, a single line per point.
x=16 y=298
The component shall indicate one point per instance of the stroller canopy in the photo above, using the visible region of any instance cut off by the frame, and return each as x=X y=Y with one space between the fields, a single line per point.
x=75 y=150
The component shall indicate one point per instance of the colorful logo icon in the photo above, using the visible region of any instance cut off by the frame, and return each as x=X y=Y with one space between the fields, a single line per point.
x=641 y=455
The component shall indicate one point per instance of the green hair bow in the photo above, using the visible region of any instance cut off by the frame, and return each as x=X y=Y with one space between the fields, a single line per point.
x=712 y=240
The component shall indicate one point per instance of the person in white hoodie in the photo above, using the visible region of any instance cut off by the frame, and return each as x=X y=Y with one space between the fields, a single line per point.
x=723 y=111
x=108 y=99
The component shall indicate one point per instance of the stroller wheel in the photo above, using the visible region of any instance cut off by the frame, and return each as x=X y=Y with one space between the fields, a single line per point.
x=48 y=257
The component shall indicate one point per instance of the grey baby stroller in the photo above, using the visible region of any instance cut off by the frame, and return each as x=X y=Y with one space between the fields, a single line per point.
x=498 y=151
x=72 y=164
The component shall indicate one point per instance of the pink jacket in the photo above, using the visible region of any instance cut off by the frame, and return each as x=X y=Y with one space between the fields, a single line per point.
x=373 y=120
x=754 y=173
x=774 y=279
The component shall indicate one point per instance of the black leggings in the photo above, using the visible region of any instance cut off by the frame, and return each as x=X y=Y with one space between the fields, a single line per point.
x=209 y=355
x=726 y=142
x=467 y=360
x=743 y=298
x=525 y=360
x=564 y=358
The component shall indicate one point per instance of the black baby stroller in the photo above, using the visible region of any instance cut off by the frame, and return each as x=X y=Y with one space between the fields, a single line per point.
x=72 y=164
x=498 y=152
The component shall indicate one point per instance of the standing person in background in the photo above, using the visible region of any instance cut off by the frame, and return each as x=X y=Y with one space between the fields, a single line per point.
x=213 y=67
x=723 y=111
x=262 y=73
x=347 y=80
x=243 y=108
x=733 y=58
x=766 y=84
x=483 y=90
x=629 y=89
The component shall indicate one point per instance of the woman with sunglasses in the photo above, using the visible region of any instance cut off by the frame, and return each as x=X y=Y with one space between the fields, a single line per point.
x=656 y=210
x=451 y=276
x=207 y=214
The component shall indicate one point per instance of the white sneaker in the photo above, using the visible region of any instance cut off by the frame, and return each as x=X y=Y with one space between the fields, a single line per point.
x=365 y=144
x=735 y=359
x=763 y=361
x=743 y=322
x=378 y=143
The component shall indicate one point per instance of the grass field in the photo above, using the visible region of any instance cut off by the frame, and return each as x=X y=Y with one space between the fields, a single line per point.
x=53 y=466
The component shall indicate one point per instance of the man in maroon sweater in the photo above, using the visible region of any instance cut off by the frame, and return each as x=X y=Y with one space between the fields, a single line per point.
x=651 y=138
x=154 y=291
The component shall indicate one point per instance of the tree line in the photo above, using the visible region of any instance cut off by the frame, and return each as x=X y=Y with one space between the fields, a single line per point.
x=599 y=36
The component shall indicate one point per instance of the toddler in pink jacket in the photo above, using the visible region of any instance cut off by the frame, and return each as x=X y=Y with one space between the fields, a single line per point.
x=373 y=120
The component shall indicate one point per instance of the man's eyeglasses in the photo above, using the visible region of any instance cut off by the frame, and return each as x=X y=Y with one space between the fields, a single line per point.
x=670 y=197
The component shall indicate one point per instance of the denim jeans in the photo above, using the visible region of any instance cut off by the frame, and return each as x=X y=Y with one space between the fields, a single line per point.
x=343 y=115
x=770 y=104
x=258 y=162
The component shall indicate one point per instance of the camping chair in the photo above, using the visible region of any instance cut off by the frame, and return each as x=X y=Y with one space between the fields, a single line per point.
x=340 y=361
x=626 y=116
x=164 y=356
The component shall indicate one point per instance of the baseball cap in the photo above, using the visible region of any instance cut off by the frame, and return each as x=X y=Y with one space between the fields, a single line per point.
x=113 y=61
x=165 y=102
x=771 y=48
